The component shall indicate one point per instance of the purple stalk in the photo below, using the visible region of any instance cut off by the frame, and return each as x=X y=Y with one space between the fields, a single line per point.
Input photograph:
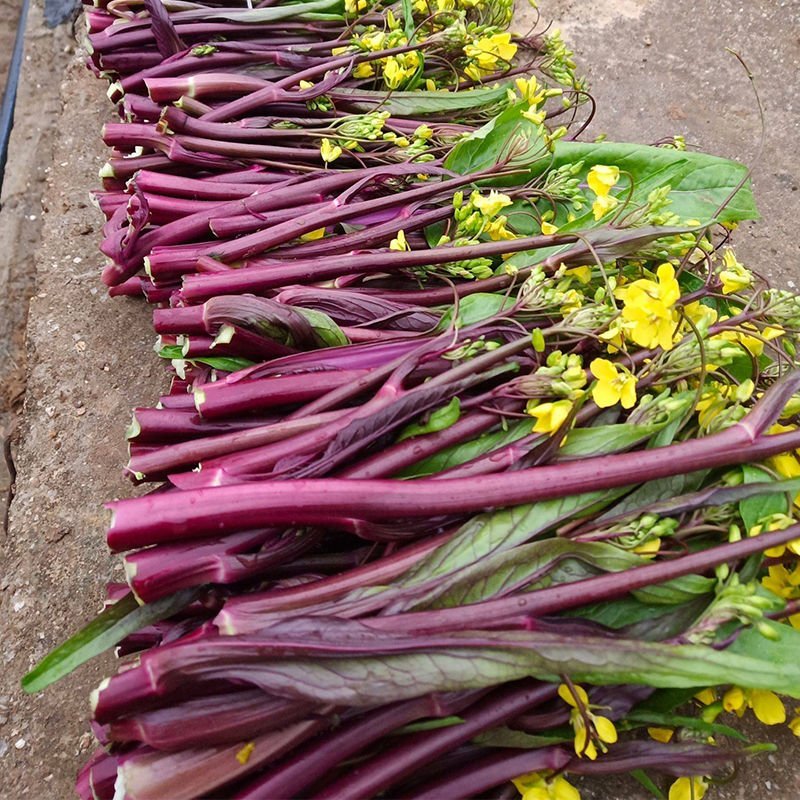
x=217 y=400
x=169 y=424
x=256 y=280
x=478 y=777
x=208 y=721
x=188 y=774
x=324 y=754
x=170 y=456
x=159 y=571
x=141 y=521
x=368 y=779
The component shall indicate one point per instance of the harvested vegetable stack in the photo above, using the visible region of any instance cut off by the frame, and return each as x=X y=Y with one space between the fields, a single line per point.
x=479 y=449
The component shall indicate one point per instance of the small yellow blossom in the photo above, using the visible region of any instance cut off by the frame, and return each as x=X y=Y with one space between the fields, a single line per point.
x=706 y=696
x=548 y=229
x=399 y=243
x=497 y=230
x=601 y=180
x=530 y=90
x=364 y=70
x=534 y=116
x=785 y=584
x=544 y=786
x=615 y=384
x=306 y=85
x=583 y=274
x=492 y=204
x=794 y=725
x=354 y=6
x=243 y=756
x=313 y=235
x=663 y=735
x=777 y=522
x=550 y=416
x=693 y=788
x=766 y=705
x=648 y=313
x=602 y=205
x=602 y=729
x=734 y=276
x=329 y=151
x=648 y=548
x=488 y=53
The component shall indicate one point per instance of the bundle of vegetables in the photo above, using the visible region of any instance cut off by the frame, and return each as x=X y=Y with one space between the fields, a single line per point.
x=479 y=449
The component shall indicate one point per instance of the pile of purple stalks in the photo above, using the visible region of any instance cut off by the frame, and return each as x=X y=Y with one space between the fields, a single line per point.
x=478 y=462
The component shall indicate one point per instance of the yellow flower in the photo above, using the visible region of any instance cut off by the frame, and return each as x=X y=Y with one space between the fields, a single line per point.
x=313 y=235
x=783 y=583
x=399 y=243
x=776 y=522
x=794 y=725
x=615 y=384
x=583 y=274
x=701 y=315
x=766 y=705
x=548 y=229
x=706 y=697
x=647 y=313
x=602 y=205
x=354 y=6
x=602 y=729
x=661 y=734
x=364 y=70
x=602 y=179
x=693 y=788
x=534 y=116
x=550 y=416
x=243 y=756
x=329 y=151
x=735 y=276
x=491 y=205
x=543 y=786
x=486 y=52
x=497 y=231
x=530 y=90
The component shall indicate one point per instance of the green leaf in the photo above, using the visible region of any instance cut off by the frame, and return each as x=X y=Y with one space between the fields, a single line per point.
x=428 y=725
x=476 y=308
x=647 y=782
x=421 y=103
x=508 y=137
x=655 y=491
x=527 y=567
x=679 y=721
x=502 y=530
x=475 y=659
x=439 y=420
x=461 y=453
x=586 y=442
x=621 y=613
x=110 y=627
x=326 y=331
x=508 y=737
x=678 y=590
x=311 y=10
x=782 y=650
x=700 y=182
x=221 y=363
x=756 y=509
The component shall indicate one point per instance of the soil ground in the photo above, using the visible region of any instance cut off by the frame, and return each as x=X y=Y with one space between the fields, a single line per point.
x=657 y=67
